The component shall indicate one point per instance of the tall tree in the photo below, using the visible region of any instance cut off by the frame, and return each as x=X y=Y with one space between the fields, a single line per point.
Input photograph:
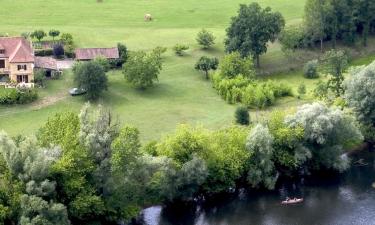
x=335 y=63
x=326 y=131
x=315 y=20
x=262 y=170
x=360 y=95
x=142 y=69
x=365 y=16
x=91 y=77
x=252 y=29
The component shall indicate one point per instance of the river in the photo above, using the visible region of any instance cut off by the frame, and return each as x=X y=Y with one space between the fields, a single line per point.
x=347 y=199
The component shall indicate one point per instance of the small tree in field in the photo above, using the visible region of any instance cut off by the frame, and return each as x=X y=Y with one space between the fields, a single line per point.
x=301 y=90
x=38 y=34
x=242 y=116
x=103 y=62
x=179 y=49
x=205 y=39
x=91 y=77
x=142 y=69
x=206 y=64
x=335 y=63
x=54 y=33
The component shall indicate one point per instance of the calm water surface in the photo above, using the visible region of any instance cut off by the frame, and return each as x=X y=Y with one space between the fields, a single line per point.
x=343 y=200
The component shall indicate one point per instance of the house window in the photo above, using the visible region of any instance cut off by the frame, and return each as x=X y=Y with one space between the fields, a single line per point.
x=22 y=78
x=2 y=51
x=21 y=67
x=4 y=78
x=2 y=63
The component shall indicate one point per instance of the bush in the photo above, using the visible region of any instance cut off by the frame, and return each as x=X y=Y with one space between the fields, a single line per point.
x=233 y=65
x=250 y=93
x=179 y=49
x=44 y=52
x=301 y=90
x=205 y=39
x=292 y=38
x=242 y=116
x=10 y=96
x=310 y=70
x=58 y=51
x=40 y=77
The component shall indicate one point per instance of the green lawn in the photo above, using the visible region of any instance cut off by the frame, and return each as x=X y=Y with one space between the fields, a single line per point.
x=182 y=94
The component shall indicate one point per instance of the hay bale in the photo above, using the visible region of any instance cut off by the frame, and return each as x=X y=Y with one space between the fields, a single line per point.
x=148 y=17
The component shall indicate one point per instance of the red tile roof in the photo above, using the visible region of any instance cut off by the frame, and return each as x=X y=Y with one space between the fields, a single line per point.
x=92 y=53
x=17 y=49
x=45 y=63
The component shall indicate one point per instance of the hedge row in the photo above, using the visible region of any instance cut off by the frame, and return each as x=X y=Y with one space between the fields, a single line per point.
x=10 y=96
x=250 y=93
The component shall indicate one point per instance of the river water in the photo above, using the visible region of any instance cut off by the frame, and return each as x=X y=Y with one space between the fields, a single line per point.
x=347 y=199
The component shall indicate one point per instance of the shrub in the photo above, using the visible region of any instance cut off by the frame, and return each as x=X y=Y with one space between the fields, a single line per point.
x=10 y=96
x=242 y=116
x=310 y=70
x=205 y=38
x=233 y=65
x=301 y=90
x=43 y=52
x=292 y=38
x=58 y=50
x=40 y=77
x=179 y=49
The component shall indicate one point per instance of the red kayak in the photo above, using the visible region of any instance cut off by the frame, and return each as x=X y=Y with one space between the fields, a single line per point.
x=292 y=201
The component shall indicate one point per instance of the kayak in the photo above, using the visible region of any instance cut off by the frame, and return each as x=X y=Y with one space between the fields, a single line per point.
x=292 y=201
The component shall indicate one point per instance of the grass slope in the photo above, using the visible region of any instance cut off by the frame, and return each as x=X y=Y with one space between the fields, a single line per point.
x=182 y=94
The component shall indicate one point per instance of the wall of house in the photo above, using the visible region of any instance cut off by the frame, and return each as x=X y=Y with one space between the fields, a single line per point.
x=14 y=71
x=6 y=69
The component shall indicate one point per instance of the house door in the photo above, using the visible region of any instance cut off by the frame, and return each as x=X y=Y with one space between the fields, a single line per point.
x=22 y=79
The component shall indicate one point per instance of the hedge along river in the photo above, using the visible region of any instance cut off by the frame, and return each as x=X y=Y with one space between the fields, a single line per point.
x=344 y=199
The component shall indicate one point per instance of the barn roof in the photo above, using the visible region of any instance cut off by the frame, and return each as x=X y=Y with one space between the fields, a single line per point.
x=46 y=63
x=92 y=53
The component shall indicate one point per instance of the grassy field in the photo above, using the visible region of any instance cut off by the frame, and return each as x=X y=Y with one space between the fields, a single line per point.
x=182 y=94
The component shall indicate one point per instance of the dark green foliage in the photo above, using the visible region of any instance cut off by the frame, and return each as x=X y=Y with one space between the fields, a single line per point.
x=58 y=50
x=38 y=34
x=91 y=77
x=251 y=30
x=44 y=52
x=142 y=69
x=242 y=116
x=123 y=53
x=10 y=96
x=206 y=64
x=40 y=77
x=310 y=69
x=205 y=39
x=54 y=33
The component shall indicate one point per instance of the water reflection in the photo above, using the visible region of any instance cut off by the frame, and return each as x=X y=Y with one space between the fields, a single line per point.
x=344 y=200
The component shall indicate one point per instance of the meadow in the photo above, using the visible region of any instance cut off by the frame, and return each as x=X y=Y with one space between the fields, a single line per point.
x=182 y=95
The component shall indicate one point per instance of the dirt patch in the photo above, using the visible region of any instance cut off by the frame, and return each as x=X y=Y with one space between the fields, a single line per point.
x=49 y=100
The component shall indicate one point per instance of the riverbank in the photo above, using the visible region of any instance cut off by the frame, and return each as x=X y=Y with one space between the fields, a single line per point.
x=346 y=200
